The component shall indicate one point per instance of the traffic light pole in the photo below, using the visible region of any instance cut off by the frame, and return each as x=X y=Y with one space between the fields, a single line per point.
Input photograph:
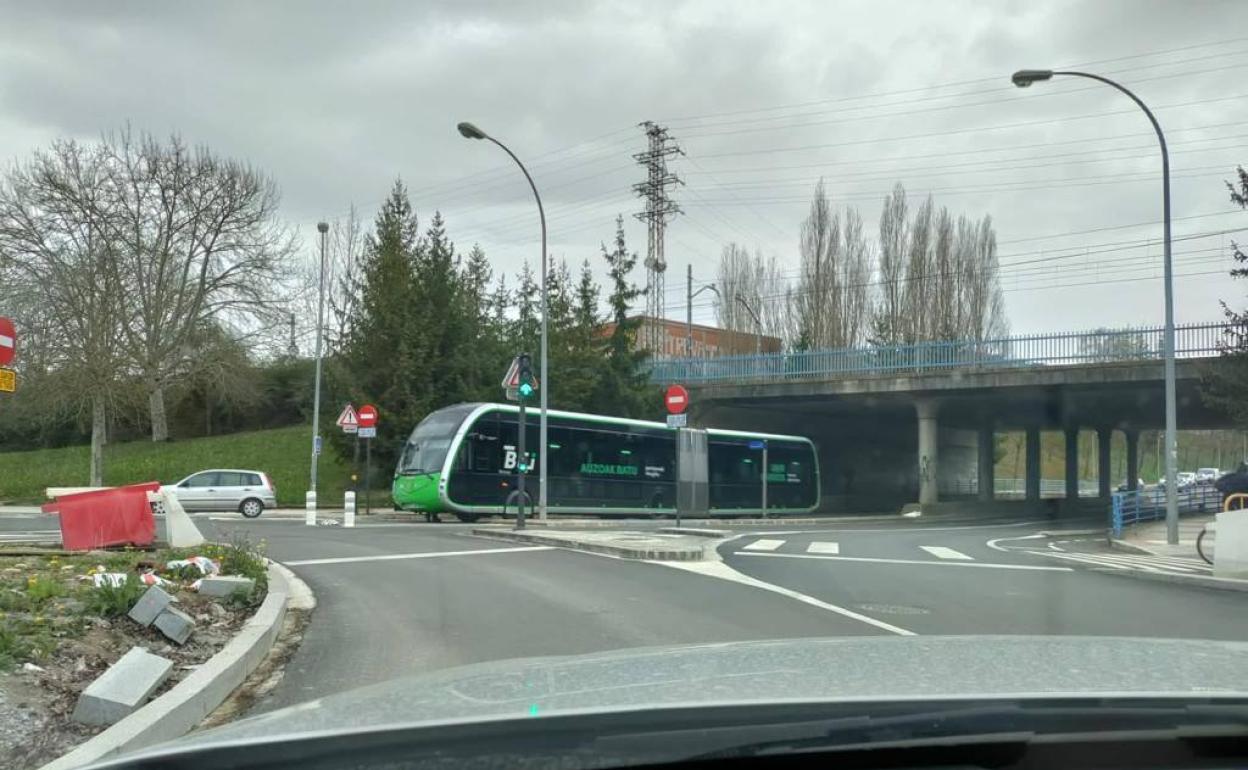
x=521 y=466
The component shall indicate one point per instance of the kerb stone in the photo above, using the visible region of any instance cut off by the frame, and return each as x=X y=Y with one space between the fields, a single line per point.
x=150 y=605
x=224 y=585
x=175 y=624
x=123 y=688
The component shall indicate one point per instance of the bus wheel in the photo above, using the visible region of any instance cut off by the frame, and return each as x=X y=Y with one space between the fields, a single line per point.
x=467 y=518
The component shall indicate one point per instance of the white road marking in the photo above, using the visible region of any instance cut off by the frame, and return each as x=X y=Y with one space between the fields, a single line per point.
x=927 y=562
x=1056 y=547
x=764 y=545
x=823 y=547
x=425 y=555
x=940 y=552
x=1145 y=563
x=993 y=544
x=717 y=569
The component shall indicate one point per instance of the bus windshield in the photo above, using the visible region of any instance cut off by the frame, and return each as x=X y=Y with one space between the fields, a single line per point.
x=426 y=448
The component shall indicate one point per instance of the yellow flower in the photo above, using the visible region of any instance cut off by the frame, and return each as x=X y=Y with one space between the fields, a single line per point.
x=38 y=619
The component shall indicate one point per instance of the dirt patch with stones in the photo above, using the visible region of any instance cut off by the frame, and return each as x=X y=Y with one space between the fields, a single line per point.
x=59 y=631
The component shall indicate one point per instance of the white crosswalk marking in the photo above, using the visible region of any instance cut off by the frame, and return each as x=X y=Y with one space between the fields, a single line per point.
x=823 y=547
x=1133 y=562
x=940 y=552
x=763 y=545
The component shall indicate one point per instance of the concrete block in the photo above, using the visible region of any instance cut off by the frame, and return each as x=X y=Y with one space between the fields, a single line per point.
x=175 y=624
x=149 y=606
x=123 y=688
x=224 y=585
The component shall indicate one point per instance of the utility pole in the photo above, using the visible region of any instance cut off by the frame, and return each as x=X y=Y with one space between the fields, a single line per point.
x=689 y=295
x=659 y=209
x=322 y=228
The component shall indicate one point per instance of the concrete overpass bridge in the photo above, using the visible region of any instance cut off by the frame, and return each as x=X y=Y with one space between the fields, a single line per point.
x=898 y=424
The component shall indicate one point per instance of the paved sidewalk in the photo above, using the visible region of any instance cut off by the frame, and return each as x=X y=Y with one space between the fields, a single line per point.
x=1150 y=537
x=651 y=545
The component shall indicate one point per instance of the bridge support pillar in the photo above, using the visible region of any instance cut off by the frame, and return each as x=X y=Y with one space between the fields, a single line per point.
x=1072 y=464
x=1032 y=480
x=1103 y=436
x=987 y=461
x=929 y=449
x=1133 y=459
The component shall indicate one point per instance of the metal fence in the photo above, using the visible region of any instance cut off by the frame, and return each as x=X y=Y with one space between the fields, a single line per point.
x=1010 y=488
x=1102 y=345
x=1150 y=505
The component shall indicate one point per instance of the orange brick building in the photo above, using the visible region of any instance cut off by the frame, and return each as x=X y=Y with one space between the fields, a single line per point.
x=708 y=341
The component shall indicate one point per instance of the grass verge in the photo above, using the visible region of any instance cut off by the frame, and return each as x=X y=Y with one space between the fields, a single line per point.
x=282 y=453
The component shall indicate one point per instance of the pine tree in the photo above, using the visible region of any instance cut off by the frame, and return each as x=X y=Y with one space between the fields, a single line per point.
x=623 y=387
x=384 y=342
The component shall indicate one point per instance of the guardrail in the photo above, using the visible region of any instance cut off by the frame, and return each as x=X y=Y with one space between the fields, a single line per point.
x=1099 y=346
x=1150 y=505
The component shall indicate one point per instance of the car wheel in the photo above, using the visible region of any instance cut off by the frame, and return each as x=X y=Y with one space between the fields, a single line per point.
x=251 y=508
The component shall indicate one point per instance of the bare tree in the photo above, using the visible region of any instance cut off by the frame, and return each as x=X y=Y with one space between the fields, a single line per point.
x=919 y=266
x=57 y=255
x=889 y=319
x=734 y=278
x=197 y=241
x=832 y=295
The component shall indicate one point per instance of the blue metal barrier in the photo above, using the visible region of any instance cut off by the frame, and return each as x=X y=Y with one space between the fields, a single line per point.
x=1128 y=508
x=1102 y=345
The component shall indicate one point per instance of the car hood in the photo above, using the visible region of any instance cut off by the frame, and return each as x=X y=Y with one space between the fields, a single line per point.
x=876 y=669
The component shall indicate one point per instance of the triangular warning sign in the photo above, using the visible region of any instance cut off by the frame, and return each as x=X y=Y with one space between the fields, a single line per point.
x=349 y=421
x=512 y=378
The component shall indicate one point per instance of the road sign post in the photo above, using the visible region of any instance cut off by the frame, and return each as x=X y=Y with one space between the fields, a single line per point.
x=366 y=417
x=519 y=385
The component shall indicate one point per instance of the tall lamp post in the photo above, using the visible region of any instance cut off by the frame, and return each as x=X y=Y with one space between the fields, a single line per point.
x=322 y=228
x=1024 y=78
x=758 y=325
x=469 y=131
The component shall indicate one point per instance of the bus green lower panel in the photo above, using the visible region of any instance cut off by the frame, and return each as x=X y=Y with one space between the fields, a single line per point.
x=417 y=493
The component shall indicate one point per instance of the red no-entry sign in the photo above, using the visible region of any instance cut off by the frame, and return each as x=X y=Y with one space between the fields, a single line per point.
x=8 y=341
x=367 y=416
x=676 y=399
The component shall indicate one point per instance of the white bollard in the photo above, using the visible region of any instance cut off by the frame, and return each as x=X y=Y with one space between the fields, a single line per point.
x=348 y=509
x=309 y=501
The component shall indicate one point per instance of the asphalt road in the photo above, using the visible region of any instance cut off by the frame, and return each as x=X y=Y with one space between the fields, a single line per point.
x=398 y=598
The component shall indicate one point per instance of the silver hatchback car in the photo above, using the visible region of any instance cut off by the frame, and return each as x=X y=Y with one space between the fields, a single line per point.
x=227 y=489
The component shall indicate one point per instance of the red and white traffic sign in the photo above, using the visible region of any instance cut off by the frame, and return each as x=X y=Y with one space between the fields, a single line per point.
x=349 y=421
x=8 y=341
x=367 y=416
x=676 y=399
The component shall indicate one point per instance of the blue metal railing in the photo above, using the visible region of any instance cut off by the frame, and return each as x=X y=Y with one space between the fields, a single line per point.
x=1129 y=508
x=1104 y=345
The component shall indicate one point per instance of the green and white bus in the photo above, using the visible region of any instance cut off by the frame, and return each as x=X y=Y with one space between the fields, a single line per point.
x=462 y=460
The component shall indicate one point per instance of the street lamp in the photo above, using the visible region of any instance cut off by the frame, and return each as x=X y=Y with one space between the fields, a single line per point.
x=690 y=294
x=469 y=131
x=1023 y=79
x=322 y=228
x=758 y=325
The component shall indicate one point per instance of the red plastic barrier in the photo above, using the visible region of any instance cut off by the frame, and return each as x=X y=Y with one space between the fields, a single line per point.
x=103 y=517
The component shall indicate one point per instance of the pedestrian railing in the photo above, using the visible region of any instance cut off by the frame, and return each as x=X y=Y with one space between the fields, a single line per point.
x=1099 y=346
x=1014 y=487
x=1128 y=508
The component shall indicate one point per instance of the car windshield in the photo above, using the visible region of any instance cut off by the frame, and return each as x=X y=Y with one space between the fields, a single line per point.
x=528 y=360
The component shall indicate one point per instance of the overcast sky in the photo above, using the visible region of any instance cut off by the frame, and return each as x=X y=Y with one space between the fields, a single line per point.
x=336 y=100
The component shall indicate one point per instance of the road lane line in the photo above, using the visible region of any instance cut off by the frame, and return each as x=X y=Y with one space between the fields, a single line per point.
x=824 y=547
x=717 y=569
x=764 y=545
x=940 y=552
x=927 y=562
x=425 y=555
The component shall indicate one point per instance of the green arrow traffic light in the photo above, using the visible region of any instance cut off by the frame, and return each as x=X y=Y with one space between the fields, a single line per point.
x=528 y=384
